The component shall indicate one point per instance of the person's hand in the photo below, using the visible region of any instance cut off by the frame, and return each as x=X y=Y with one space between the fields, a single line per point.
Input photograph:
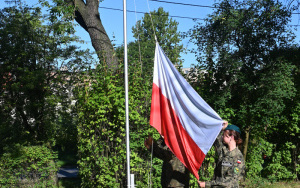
x=225 y=124
x=148 y=142
x=201 y=183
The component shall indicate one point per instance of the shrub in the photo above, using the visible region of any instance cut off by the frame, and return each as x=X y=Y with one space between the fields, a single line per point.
x=28 y=166
x=101 y=129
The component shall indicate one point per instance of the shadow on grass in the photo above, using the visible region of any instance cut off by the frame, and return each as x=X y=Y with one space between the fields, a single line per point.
x=67 y=158
x=69 y=182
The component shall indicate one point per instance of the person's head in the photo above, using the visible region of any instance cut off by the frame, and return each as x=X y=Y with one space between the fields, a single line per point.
x=232 y=132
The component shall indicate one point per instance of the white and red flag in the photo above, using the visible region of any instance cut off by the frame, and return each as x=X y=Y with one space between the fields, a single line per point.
x=187 y=123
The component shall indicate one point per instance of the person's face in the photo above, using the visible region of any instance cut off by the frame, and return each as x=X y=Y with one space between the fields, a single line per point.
x=226 y=137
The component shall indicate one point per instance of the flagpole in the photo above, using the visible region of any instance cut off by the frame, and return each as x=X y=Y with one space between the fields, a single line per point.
x=126 y=93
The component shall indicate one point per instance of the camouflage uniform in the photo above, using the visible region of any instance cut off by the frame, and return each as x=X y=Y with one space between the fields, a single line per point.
x=230 y=167
x=174 y=173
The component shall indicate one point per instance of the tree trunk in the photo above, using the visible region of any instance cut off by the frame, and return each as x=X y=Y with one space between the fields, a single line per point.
x=247 y=134
x=87 y=15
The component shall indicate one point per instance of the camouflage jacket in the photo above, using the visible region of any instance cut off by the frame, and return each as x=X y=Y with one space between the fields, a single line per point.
x=174 y=173
x=230 y=168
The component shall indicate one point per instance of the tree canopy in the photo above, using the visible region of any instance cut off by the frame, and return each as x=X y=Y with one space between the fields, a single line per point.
x=37 y=60
x=242 y=77
x=165 y=29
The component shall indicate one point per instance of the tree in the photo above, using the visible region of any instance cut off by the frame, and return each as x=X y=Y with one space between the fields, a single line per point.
x=286 y=133
x=168 y=37
x=234 y=48
x=101 y=128
x=86 y=13
x=101 y=111
x=36 y=61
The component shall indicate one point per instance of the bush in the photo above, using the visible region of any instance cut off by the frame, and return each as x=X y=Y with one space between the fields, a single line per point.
x=101 y=129
x=279 y=166
x=28 y=166
x=255 y=161
x=269 y=161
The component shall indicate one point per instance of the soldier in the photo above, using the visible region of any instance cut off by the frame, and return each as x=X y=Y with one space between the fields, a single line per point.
x=174 y=173
x=230 y=167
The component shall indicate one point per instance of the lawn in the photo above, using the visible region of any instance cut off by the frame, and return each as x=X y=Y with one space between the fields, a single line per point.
x=266 y=184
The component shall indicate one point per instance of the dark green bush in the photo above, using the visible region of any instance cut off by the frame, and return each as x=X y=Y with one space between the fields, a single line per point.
x=101 y=130
x=28 y=166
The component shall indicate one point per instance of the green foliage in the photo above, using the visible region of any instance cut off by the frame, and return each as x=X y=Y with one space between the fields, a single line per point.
x=102 y=111
x=270 y=161
x=165 y=29
x=246 y=74
x=100 y=131
x=25 y=90
x=37 y=65
x=257 y=150
x=236 y=58
x=101 y=108
x=25 y=166
x=281 y=156
x=278 y=169
x=206 y=171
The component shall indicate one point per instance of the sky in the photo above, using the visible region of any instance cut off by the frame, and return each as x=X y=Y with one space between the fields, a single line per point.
x=111 y=14
x=177 y=10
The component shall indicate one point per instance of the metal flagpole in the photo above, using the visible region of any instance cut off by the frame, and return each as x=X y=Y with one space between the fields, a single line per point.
x=126 y=93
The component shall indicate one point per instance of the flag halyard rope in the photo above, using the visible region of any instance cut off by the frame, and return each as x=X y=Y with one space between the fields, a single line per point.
x=137 y=27
x=140 y=59
x=151 y=21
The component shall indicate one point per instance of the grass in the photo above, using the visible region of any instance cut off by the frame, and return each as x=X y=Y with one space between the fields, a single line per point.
x=69 y=183
x=67 y=158
x=266 y=184
x=282 y=185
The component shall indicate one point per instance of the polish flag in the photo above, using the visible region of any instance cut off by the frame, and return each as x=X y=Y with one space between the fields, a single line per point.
x=187 y=123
